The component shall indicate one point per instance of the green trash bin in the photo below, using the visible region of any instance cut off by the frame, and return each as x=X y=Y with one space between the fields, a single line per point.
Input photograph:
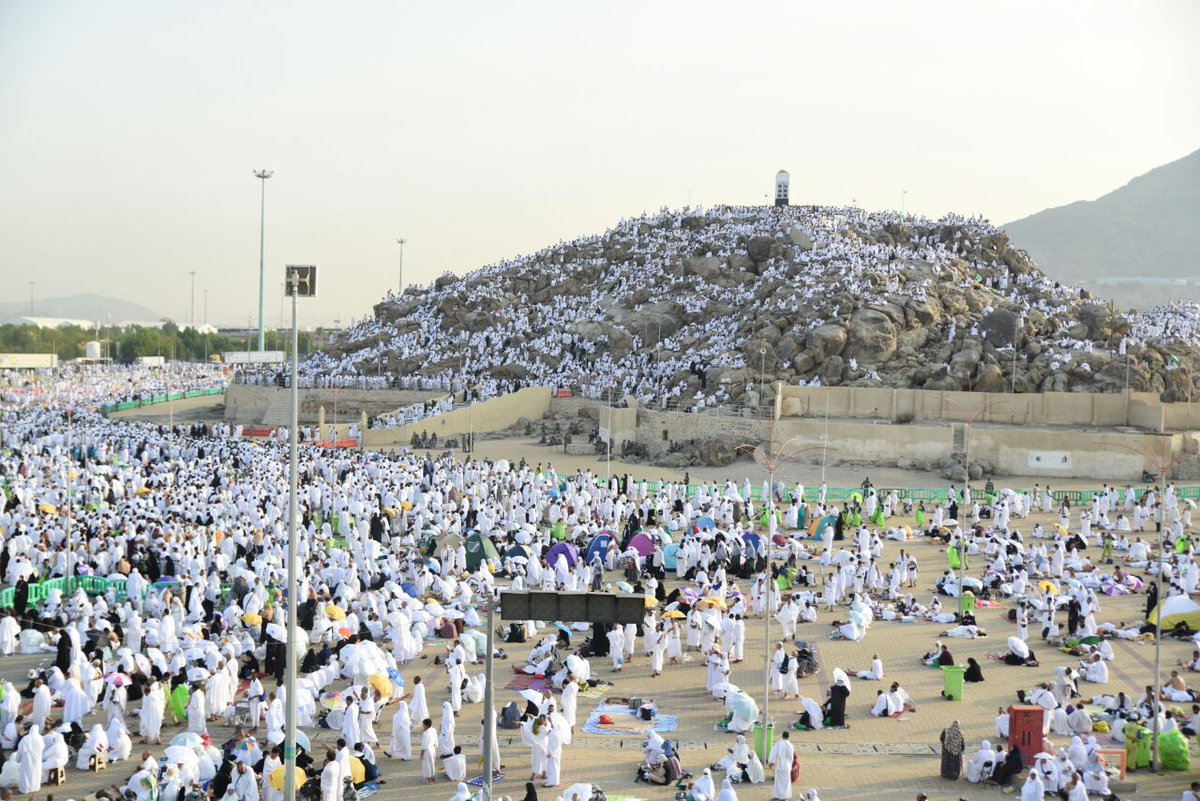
x=1137 y=746
x=952 y=682
x=764 y=740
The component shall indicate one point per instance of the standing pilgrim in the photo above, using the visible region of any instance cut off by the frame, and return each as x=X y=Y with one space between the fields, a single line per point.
x=952 y=751
x=29 y=754
x=400 y=745
x=195 y=712
x=781 y=758
x=428 y=751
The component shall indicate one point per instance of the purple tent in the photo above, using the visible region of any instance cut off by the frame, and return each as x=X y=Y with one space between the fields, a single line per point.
x=642 y=544
x=565 y=548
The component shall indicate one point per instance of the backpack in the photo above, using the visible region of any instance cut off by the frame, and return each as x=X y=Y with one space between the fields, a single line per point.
x=783 y=666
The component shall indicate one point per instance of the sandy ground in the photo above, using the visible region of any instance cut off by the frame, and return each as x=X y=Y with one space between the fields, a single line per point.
x=873 y=759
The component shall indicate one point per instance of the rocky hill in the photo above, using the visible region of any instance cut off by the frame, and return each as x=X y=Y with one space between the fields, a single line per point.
x=692 y=307
x=1139 y=241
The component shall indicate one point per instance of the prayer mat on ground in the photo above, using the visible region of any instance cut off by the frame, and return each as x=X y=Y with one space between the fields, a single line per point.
x=367 y=790
x=478 y=780
x=996 y=656
x=523 y=681
x=626 y=723
x=599 y=691
x=520 y=671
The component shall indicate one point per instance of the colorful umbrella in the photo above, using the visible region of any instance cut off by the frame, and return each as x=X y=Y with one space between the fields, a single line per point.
x=276 y=777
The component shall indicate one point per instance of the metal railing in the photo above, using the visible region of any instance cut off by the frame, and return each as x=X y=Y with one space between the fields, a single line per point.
x=157 y=399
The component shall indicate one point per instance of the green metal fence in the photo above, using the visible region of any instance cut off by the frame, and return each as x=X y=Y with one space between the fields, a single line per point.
x=156 y=399
x=92 y=585
x=843 y=494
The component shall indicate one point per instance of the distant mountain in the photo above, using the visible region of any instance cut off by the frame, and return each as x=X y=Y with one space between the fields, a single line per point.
x=87 y=306
x=1139 y=244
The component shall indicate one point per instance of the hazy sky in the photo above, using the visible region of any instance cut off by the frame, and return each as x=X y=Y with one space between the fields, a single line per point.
x=129 y=130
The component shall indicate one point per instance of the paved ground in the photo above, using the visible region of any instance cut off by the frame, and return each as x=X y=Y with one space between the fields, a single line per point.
x=873 y=759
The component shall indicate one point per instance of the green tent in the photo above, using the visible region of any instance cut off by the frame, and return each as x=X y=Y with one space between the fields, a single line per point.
x=479 y=548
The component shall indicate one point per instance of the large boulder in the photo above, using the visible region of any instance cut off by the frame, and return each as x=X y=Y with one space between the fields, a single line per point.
x=825 y=341
x=511 y=371
x=787 y=348
x=801 y=239
x=989 y=378
x=704 y=266
x=925 y=312
x=999 y=328
x=762 y=248
x=741 y=262
x=870 y=337
x=717 y=453
x=831 y=371
x=760 y=357
x=1098 y=320
x=942 y=381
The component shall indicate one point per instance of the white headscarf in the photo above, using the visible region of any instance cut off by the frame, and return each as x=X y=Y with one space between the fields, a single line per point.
x=462 y=793
x=704 y=786
x=727 y=791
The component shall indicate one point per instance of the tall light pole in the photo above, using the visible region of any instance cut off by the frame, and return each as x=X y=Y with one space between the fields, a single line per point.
x=1163 y=463
x=762 y=377
x=301 y=281
x=192 y=313
x=206 y=307
x=824 y=440
x=262 y=176
x=962 y=544
x=400 y=284
x=608 y=440
x=770 y=459
x=31 y=283
x=70 y=502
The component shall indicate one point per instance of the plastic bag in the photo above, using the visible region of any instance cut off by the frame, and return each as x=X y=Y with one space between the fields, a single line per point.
x=1173 y=749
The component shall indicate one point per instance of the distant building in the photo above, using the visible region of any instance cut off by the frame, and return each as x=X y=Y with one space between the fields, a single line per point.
x=781 y=188
x=57 y=322
x=78 y=322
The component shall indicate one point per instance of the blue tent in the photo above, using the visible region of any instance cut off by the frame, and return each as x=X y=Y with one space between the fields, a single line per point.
x=518 y=550
x=670 y=556
x=598 y=546
x=820 y=526
x=410 y=589
x=706 y=524
x=753 y=542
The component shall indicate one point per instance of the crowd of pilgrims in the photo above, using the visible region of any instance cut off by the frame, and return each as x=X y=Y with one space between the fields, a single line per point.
x=557 y=342
x=193 y=519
